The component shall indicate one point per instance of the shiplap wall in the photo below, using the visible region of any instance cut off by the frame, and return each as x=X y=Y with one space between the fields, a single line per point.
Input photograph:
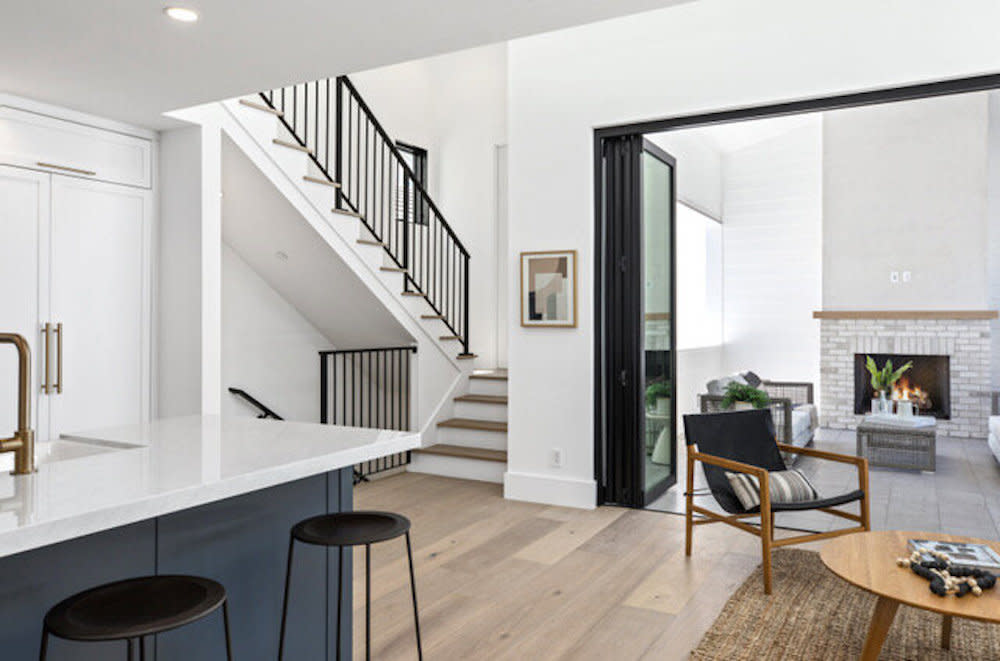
x=772 y=251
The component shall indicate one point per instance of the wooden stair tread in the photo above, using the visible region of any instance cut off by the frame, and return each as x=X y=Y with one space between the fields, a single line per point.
x=471 y=423
x=489 y=377
x=322 y=182
x=291 y=145
x=466 y=356
x=432 y=316
x=392 y=269
x=463 y=452
x=412 y=293
x=369 y=242
x=483 y=399
x=261 y=106
x=445 y=338
x=348 y=212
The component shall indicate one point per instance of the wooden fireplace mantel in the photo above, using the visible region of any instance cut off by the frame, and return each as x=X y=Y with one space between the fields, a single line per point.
x=905 y=314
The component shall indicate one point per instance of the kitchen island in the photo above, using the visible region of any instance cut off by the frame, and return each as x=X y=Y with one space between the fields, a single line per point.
x=203 y=495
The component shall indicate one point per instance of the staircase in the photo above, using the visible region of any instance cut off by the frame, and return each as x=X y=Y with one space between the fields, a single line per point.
x=330 y=148
x=473 y=444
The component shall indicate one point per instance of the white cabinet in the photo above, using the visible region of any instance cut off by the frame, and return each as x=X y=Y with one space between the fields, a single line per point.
x=76 y=253
x=34 y=140
x=24 y=218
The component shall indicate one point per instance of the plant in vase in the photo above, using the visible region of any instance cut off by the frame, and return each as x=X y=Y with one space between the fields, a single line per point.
x=743 y=396
x=884 y=379
x=658 y=397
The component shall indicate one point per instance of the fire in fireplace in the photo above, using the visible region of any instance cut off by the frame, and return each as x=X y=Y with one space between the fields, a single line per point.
x=927 y=384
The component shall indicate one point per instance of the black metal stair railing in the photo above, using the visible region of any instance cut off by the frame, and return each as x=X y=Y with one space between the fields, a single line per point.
x=368 y=388
x=349 y=146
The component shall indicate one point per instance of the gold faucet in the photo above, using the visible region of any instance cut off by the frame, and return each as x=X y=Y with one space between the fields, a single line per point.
x=22 y=444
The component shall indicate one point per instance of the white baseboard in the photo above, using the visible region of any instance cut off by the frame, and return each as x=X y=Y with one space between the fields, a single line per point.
x=566 y=492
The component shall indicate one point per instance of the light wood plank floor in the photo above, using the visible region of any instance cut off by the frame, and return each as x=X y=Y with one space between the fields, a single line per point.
x=499 y=579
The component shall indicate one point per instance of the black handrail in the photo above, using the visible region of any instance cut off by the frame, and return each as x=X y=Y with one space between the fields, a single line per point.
x=369 y=171
x=265 y=412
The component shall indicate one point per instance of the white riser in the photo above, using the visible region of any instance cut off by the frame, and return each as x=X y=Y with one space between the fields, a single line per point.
x=472 y=438
x=466 y=469
x=487 y=387
x=259 y=122
x=477 y=411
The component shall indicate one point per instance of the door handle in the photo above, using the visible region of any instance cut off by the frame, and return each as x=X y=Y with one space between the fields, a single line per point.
x=59 y=358
x=47 y=332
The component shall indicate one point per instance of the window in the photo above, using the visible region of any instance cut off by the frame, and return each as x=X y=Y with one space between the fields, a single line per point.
x=406 y=197
x=699 y=279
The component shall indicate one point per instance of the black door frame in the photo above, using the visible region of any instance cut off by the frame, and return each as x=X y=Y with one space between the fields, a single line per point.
x=966 y=85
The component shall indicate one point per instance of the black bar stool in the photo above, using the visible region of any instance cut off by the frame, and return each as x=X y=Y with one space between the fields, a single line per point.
x=347 y=529
x=133 y=609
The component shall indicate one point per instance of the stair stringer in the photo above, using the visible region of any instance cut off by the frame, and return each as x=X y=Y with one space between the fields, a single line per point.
x=438 y=374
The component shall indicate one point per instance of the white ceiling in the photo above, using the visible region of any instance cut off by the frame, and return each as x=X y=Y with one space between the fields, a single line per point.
x=258 y=223
x=125 y=60
x=734 y=136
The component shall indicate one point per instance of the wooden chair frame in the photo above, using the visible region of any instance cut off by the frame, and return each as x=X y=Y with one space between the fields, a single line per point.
x=766 y=514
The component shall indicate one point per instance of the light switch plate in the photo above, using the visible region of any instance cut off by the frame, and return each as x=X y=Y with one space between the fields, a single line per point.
x=894 y=277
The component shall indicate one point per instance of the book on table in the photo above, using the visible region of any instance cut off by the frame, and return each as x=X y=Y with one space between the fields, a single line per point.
x=979 y=556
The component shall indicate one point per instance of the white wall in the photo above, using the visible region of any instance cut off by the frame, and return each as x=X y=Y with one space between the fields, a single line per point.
x=772 y=247
x=993 y=228
x=905 y=190
x=702 y=56
x=455 y=107
x=268 y=348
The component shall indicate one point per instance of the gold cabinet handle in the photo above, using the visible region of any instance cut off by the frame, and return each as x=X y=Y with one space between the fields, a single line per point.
x=46 y=386
x=65 y=168
x=59 y=354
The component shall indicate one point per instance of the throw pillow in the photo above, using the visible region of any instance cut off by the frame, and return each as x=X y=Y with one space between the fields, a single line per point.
x=787 y=486
x=752 y=379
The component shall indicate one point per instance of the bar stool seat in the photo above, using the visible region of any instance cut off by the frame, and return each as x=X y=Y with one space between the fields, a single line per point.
x=135 y=608
x=344 y=530
x=351 y=528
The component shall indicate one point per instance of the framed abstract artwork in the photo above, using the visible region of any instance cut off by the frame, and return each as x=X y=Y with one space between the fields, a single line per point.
x=548 y=289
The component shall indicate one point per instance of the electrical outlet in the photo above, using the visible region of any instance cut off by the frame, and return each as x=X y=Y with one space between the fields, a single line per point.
x=906 y=276
x=557 y=457
x=894 y=277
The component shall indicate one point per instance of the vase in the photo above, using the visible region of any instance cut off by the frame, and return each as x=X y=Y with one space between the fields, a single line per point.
x=662 y=406
x=742 y=406
x=884 y=405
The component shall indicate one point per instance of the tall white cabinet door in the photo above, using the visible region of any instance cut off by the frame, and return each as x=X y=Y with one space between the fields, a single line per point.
x=100 y=295
x=24 y=219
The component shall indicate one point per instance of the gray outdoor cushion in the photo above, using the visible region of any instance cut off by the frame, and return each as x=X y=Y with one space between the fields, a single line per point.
x=718 y=386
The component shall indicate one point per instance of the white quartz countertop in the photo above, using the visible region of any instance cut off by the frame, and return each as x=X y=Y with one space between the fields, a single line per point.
x=92 y=481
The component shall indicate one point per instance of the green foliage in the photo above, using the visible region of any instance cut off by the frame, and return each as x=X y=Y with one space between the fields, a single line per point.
x=740 y=392
x=657 y=391
x=885 y=378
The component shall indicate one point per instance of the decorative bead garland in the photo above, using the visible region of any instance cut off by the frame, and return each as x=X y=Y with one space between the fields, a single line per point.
x=947 y=578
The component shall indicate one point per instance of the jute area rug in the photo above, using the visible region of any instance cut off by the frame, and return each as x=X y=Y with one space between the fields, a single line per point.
x=814 y=616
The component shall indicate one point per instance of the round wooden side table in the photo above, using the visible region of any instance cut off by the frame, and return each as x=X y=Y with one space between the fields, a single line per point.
x=868 y=561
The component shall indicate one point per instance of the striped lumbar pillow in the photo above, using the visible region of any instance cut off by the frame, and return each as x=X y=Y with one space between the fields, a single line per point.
x=788 y=486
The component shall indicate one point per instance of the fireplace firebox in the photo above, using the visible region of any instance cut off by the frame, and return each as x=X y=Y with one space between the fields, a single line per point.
x=927 y=384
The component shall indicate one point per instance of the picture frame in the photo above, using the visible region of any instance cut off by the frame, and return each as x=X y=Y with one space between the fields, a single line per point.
x=548 y=289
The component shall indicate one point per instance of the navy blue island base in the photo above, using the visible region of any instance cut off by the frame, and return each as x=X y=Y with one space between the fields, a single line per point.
x=242 y=542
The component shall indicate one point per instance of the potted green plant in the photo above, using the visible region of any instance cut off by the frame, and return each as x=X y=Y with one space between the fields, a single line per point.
x=884 y=379
x=743 y=396
x=658 y=397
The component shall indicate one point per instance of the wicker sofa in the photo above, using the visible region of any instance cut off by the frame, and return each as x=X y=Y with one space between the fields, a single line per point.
x=792 y=407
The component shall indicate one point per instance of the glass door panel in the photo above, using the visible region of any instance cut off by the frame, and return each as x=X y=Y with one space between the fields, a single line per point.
x=657 y=351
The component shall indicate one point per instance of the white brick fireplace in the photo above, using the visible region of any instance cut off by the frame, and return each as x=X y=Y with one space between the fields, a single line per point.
x=965 y=340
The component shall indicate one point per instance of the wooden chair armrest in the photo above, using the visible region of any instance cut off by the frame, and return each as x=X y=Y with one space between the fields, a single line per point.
x=822 y=454
x=728 y=464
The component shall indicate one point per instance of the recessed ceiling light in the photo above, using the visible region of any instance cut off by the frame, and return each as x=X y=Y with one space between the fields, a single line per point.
x=182 y=14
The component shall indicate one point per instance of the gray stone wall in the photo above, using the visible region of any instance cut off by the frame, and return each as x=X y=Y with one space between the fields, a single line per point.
x=966 y=342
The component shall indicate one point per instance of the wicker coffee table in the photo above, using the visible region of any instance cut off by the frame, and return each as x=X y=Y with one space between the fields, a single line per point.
x=868 y=560
x=897 y=446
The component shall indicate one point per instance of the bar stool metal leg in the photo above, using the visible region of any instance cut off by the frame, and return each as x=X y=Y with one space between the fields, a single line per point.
x=142 y=649
x=284 y=603
x=413 y=592
x=341 y=575
x=368 y=602
x=45 y=644
x=225 y=625
x=131 y=649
